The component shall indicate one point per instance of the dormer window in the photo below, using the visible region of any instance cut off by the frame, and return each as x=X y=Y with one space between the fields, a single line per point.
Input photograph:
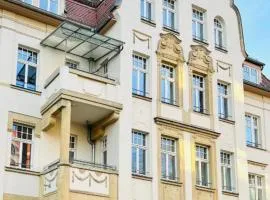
x=251 y=74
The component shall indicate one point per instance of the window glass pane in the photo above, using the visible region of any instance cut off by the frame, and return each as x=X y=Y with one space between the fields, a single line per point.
x=204 y=175
x=163 y=165
x=43 y=4
x=260 y=194
x=228 y=179
x=165 y=17
x=134 y=81
x=148 y=11
x=252 y=193
x=197 y=173
x=142 y=161
x=200 y=31
x=193 y=28
x=26 y=155
x=134 y=160
x=142 y=8
x=142 y=83
x=171 y=167
x=31 y=79
x=15 y=153
x=20 y=77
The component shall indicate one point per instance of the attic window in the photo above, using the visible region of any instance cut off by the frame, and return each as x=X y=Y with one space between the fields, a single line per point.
x=251 y=74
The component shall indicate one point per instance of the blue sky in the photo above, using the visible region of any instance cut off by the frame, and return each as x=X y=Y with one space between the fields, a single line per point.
x=255 y=17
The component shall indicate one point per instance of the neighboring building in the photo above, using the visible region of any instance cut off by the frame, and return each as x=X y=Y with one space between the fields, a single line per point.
x=130 y=100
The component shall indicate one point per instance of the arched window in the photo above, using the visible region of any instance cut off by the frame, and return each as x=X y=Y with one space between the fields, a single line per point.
x=219 y=34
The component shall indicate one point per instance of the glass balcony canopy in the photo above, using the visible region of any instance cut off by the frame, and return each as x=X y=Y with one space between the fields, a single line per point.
x=81 y=41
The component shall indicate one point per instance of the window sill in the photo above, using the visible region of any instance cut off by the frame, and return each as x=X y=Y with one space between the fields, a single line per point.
x=168 y=29
x=200 y=42
x=170 y=104
x=142 y=177
x=21 y=171
x=233 y=194
x=171 y=182
x=250 y=146
x=206 y=189
x=223 y=50
x=142 y=97
x=25 y=90
x=201 y=113
x=227 y=121
x=148 y=22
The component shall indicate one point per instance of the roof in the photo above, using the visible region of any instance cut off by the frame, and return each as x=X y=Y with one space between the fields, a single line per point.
x=264 y=86
x=255 y=61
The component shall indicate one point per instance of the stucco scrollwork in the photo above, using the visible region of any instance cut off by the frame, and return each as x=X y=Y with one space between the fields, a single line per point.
x=50 y=180
x=199 y=57
x=170 y=47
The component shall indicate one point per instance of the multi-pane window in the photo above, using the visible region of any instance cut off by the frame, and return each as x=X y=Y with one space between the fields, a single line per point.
x=26 y=68
x=227 y=171
x=198 y=93
x=198 y=25
x=202 y=166
x=21 y=146
x=168 y=159
x=219 y=34
x=169 y=13
x=223 y=100
x=49 y=5
x=252 y=131
x=146 y=9
x=256 y=187
x=251 y=74
x=72 y=147
x=139 y=75
x=104 y=150
x=168 y=84
x=139 y=149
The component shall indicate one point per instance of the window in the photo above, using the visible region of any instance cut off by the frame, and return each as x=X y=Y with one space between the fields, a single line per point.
x=72 y=64
x=251 y=74
x=104 y=150
x=223 y=101
x=27 y=1
x=26 y=68
x=168 y=84
x=198 y=94
x=198 y=25
x=227 y=171
x=146 y=10
x=256 y=187
x=49 y=5
x=168 y=159
x=139 y=75
x=202 y=166
x=72 y=147
x=21 y=146
x=169 y=14
x=139 y=153
x=252 y=131
x=219 y=34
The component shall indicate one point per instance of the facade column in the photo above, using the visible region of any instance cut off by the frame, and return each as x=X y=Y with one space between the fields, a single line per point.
x=63 y=170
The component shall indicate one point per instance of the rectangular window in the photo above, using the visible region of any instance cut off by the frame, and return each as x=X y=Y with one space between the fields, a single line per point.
x=26 y=68
x=252 y=131
x=21 y=146
x=146 y=10
x=223 y=101
x=256 y=187
x=168 y=84
x=169 y=14
x=104 y=151
x=251 y=74
x=72 y=64
x=202 y=166
x=72 y=148
x=168 y=159
x=227 y=171
x=198 y=25
x=139 y=149
x=198 y=94
x=139 y=75
x=27 y=1
x=49 y=5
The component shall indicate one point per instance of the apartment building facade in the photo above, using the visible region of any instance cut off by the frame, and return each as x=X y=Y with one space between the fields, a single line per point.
x=141 y=100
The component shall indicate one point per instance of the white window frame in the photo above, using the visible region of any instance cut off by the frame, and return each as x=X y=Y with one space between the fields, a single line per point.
x=196 y=88
x=222 y=96
x=144 y=9
x=218 y=27
x=73 y=149
x=247 y=70
x=198 y=18
x=139 y=147
x=49 y=5
x=254 y=183
x=168 y=153
x=21 y=141
x=226 y=160
x=166 y=10
x=139 y=70
x=254 y=128
x=168 y=79
x=201 y=160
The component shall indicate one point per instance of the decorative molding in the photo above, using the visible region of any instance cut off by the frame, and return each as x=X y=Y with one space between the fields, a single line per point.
x=224 y=66
x=258 y=164
x=233 y=194
x=142 y=37
x=50 y=182
x=199 y=58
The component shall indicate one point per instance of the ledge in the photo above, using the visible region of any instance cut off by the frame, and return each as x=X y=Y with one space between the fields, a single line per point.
x=227 y=121
x=234 y=194
x=263 y=165
x=186 y=127
x=175 y=183
x=200 y=113
x=170 y=30
x=90 y=193
x=200 y=42
x=142 y=177
x=142 y=97
x=148 y=22
x=25 y=90
x=21 y=171
x=221 y=50
x=258 y=148
x=206 y=189
x=170 y=104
